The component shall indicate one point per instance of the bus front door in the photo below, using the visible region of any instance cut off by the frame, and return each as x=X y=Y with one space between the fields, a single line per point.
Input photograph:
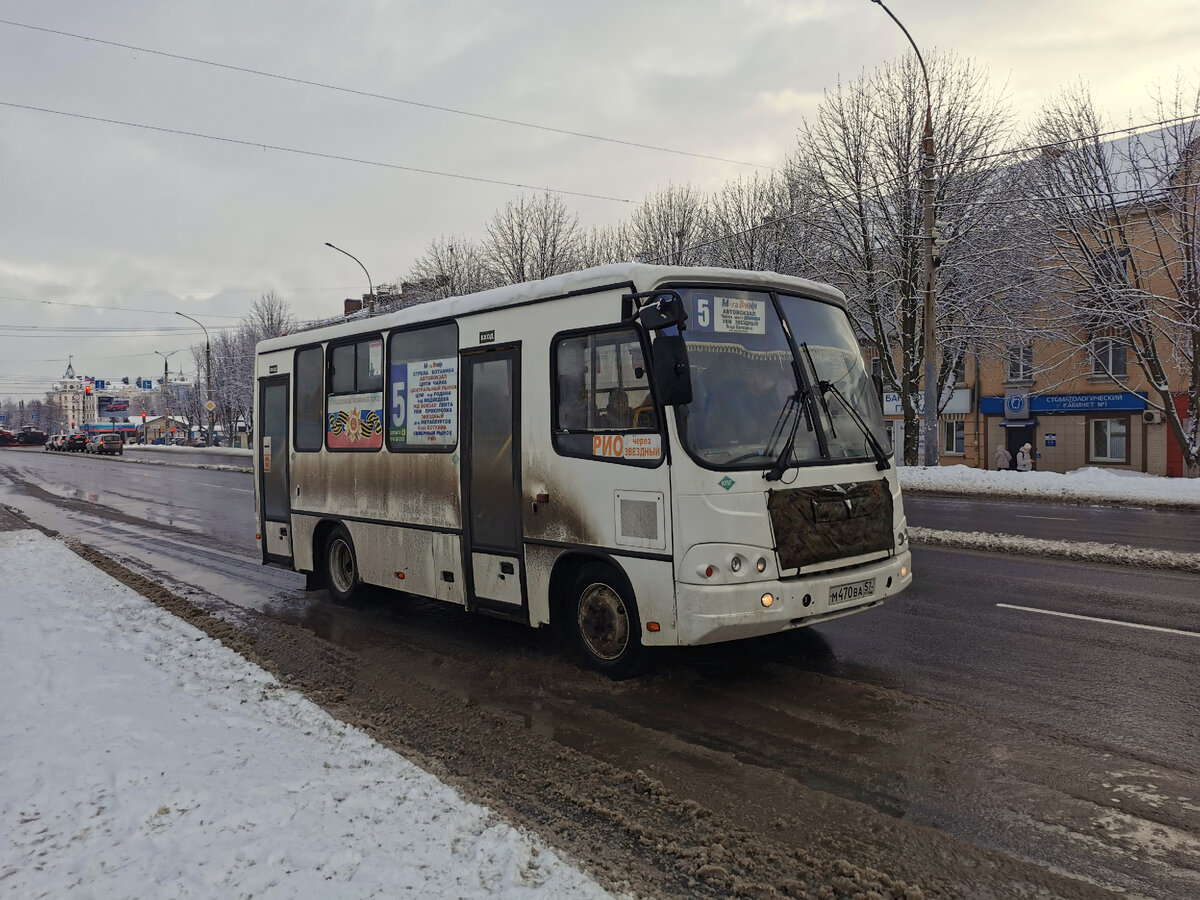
x=492 y=481
x=276 y=504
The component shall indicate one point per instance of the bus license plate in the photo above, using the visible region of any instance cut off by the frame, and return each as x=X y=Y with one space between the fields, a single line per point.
x=855 y=590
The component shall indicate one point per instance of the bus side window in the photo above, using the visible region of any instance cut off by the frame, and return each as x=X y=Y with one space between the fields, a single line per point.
x=601 y=387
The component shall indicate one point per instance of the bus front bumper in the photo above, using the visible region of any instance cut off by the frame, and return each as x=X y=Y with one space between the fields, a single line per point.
x=710 y=614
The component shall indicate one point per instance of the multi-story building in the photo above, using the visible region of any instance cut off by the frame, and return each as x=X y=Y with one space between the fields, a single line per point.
x=1109 y=354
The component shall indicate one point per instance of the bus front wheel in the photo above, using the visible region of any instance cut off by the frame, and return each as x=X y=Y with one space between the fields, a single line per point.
x=341 y=567
x=607 y=629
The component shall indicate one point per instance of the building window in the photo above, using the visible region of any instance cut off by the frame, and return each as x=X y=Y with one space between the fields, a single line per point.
x=1020 y=362
x=1108 y=440
x=1108 y=357
x=953 y=437
x=960 y=370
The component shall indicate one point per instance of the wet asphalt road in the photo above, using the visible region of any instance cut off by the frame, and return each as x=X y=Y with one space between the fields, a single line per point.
x=1073 y=743
x=1162 y=529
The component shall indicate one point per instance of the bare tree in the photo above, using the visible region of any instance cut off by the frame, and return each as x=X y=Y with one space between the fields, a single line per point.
x=861 y=160
x=602 y=246
x=1119 y=219
x=450 y=267
x=269 y=316
x=532 y=238
x=750 y=220
x=671 y=226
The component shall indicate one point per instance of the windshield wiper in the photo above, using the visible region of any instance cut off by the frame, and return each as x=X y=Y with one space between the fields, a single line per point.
x=827 y=387
x=781 y=461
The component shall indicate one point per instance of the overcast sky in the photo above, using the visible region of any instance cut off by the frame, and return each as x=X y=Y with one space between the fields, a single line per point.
x=149 y=222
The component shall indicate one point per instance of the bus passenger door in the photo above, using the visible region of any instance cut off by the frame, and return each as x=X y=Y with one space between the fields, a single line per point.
x=272 y=450
x=492 y=481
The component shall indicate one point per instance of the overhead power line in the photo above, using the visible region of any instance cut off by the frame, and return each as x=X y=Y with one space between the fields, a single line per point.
x=375 y=96
x=159 y=312
x=313 y=153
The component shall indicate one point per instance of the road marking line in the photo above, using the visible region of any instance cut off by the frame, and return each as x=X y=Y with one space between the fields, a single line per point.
x=1051 y=518
x=1066 y=615
x=224 y=487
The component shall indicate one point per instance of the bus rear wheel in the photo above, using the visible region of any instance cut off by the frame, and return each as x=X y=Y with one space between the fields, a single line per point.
x=607 y=629
x=341 y=567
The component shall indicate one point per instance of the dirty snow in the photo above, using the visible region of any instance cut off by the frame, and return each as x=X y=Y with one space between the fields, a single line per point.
x=142 y=757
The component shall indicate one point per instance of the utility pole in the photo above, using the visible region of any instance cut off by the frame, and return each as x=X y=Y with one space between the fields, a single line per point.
x=932 y=443
x=207 y=377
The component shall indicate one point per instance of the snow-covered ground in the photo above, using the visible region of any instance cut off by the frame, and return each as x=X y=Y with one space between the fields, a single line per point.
x=143 y=758
x=1090 y=485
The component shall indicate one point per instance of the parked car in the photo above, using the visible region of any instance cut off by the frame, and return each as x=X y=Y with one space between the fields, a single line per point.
x=106 y=443
x=6 y=437
x=77 y=441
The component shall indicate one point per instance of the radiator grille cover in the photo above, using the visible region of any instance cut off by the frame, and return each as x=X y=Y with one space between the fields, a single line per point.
x=820 y=524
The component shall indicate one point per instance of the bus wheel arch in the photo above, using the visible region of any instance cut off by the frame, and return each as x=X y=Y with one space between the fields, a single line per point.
x=600 y=613
x=339 y=562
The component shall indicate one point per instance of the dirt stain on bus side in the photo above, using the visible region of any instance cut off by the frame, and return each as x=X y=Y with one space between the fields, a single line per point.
x=417 y=488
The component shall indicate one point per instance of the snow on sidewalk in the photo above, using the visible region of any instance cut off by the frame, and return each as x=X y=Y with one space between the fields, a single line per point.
x=1087 y=485
x=142 y=757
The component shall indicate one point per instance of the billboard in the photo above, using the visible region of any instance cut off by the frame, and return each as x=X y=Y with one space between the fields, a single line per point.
x=112 y=406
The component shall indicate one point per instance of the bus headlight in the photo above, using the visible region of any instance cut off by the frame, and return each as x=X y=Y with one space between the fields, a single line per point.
x=735 y=564
x=761 y=565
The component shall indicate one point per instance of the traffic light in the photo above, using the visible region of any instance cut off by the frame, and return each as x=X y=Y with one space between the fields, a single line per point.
x=87 y=389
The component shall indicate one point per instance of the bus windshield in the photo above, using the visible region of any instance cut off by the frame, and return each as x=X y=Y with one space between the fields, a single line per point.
x=752 y=395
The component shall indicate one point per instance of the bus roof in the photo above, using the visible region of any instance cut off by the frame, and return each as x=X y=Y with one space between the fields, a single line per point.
x=638 y=276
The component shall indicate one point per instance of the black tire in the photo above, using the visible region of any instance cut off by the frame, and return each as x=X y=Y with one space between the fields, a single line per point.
x=605 y=621
x=341 y=568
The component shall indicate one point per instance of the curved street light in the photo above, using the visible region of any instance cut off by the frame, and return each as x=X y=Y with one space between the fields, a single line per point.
x=370 y=284
x=166 y=391
x=207 y=374
x=931 y=457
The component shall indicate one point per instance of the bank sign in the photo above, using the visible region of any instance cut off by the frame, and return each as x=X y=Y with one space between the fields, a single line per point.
x=960 y=402
x=1069 y=403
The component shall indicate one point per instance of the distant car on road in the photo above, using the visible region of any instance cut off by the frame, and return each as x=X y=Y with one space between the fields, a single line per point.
x=76 y=441
x=7 y=437
x=106 y=443
x=31 y=437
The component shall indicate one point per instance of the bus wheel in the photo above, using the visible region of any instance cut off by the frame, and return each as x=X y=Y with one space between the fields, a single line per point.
x=341 y=567
x=606 y=623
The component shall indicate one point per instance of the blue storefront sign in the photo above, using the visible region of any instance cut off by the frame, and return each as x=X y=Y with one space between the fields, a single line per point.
x=1069 y=403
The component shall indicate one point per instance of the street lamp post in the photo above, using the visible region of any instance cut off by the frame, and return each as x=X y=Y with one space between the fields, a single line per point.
x=370 y=284
x=207 y=377
x=166 y=389
x=927 y=153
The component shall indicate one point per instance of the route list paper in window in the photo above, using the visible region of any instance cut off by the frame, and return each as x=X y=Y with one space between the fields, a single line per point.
x=424 y=407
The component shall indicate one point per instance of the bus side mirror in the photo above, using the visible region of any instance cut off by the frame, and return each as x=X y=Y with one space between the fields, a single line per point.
x=672 y=376
x=877 y=380
x=666 y=311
